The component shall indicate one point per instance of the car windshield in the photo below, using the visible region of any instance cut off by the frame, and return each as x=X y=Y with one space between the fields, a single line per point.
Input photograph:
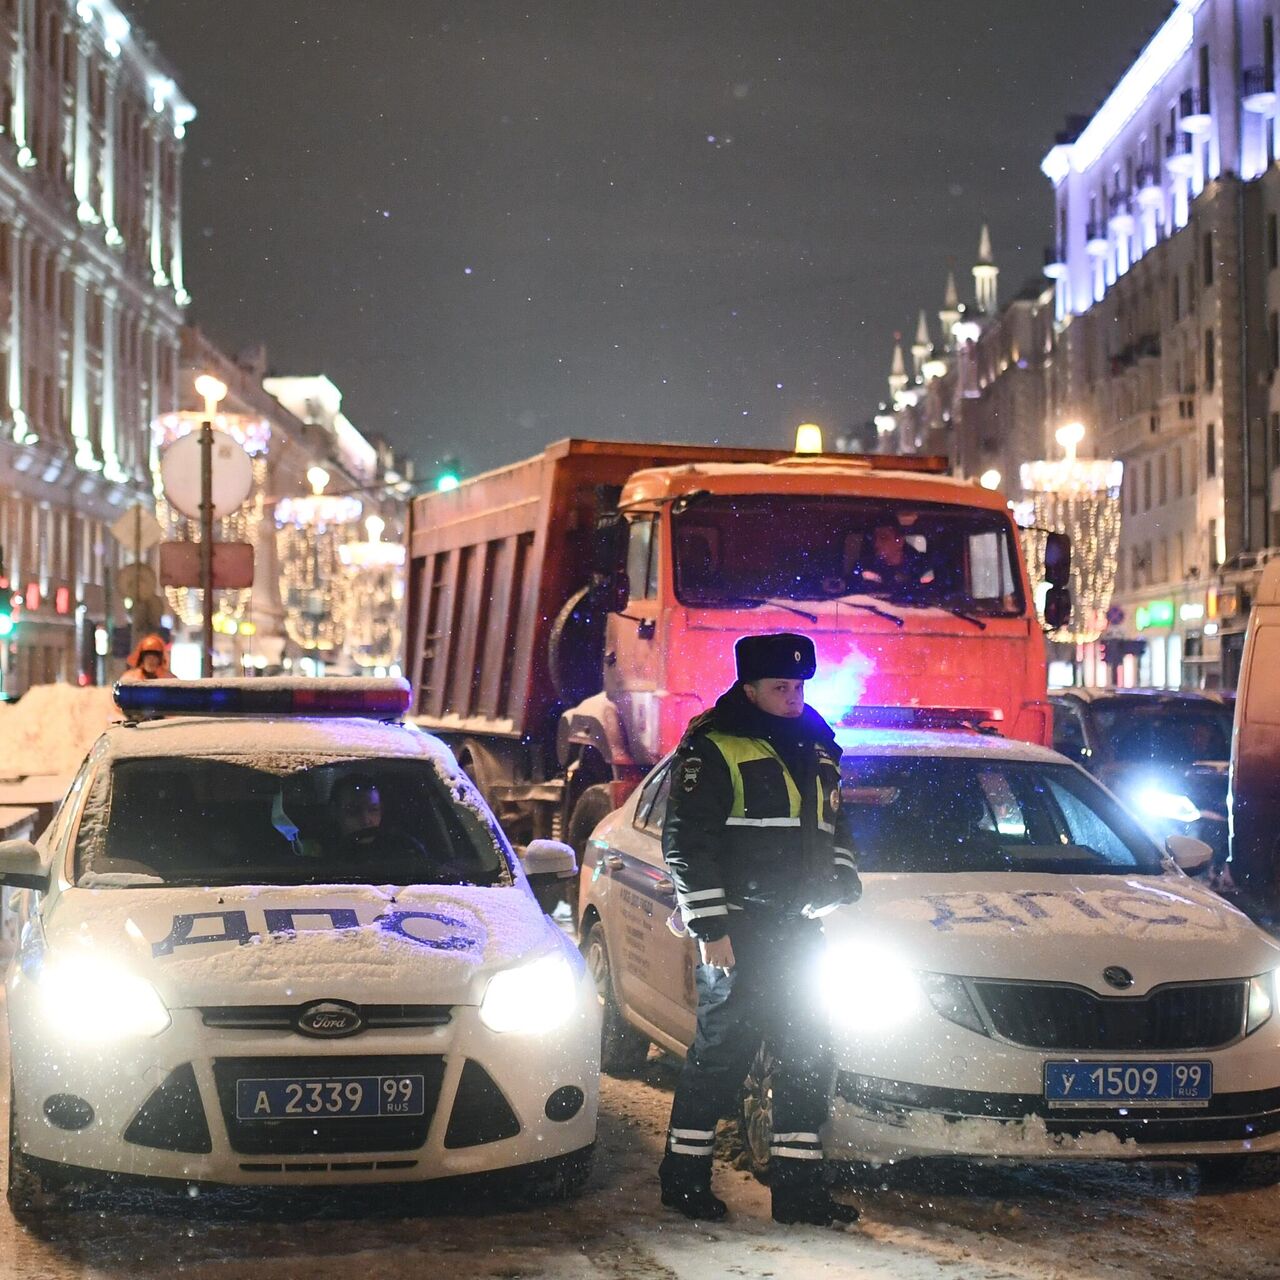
x=951 y=814
x=1165 y=734
x=216 y=821
x=736 y=550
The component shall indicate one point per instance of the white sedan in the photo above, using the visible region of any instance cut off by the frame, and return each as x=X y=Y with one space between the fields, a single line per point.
x=275 y=937
x=1027 y=974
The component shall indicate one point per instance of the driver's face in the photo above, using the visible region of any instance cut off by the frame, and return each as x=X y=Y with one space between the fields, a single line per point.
x=887 y=542
x=359 y=809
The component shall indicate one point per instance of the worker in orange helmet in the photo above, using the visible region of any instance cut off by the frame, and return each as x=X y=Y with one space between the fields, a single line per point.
x=149 y=661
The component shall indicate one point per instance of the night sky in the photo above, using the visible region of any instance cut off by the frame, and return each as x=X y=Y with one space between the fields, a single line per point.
x=497 y=224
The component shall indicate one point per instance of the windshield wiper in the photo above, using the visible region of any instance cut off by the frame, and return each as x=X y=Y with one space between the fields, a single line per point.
x=776 y=603
x=895 y=618
x=956 y=612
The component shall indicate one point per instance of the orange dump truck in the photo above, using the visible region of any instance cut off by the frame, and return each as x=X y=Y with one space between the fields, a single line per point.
x=569 y=614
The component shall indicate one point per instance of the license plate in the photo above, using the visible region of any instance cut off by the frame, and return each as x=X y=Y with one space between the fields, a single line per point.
x=329 y=1097
x=1128 y=1084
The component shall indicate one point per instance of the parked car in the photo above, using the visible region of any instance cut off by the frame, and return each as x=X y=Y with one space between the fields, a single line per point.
x=274 y=936
x=1027 y=974
x=1164 y=754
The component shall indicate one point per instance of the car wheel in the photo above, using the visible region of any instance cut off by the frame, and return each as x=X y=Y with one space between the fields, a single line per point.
x=559 y=1179
x=623 y=1049
x=1224 y=1173
x=24 y=1188
x=755 y=1117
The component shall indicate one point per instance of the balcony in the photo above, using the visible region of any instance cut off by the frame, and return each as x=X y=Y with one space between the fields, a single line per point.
x=1121 y=213
x=1193 y=108
x=1258 y=90
x=1055 y=263
x=1150 y=190
x=1097 y=241
x=1179 y=153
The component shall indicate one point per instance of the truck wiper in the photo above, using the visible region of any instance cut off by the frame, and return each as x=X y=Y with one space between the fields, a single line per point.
x=957 y=612
x=895 y=618
x=756 y=601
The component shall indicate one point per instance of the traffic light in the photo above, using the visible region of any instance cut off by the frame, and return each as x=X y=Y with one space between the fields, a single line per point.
x=6 y=614
x=449 y=475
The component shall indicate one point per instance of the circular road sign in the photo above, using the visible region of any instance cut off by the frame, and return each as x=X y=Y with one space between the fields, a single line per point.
x=231 y=470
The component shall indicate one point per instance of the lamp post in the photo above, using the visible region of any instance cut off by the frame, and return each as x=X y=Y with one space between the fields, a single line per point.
x=212 y=390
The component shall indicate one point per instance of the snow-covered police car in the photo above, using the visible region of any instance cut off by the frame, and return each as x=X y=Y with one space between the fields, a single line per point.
x=275 y=937
x=1027 y=974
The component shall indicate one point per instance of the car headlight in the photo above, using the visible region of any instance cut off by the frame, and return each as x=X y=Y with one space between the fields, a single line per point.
x=1167 y=804
x=90 y=999
x=534 y=997
x=1262 y=1001
x=866 y=987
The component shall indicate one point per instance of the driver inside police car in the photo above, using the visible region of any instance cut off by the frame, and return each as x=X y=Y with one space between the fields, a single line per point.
x=356 y=811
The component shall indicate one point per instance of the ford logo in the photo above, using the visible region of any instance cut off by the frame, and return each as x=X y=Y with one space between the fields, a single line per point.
x=328 y=1019
x=1118 y=977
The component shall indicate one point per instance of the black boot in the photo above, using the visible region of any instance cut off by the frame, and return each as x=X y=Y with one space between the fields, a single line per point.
x=686 y=1186
x=810 y=1203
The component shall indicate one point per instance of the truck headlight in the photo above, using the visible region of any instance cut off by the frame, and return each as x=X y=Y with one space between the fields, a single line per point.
x=866 y=987
x=534 y=997
x=92 y=1000
x=1169 y=805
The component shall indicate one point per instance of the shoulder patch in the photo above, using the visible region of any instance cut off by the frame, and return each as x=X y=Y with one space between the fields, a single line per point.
x=690 y=768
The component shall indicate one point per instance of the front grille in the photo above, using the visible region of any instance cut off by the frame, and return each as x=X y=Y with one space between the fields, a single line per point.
x=282 y=1017
x=321 y=1135
x=1043 y=1016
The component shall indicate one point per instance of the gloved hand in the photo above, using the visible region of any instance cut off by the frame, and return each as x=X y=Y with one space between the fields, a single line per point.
x=843 y=889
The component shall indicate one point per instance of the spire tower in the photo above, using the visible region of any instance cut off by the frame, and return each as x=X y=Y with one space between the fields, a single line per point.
x=986 y=276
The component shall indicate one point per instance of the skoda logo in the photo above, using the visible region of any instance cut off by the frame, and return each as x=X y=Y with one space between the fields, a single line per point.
x=1118 y=977
x=329 y=1019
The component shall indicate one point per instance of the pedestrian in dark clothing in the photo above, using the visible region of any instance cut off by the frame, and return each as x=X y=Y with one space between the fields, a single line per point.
x=758 y=850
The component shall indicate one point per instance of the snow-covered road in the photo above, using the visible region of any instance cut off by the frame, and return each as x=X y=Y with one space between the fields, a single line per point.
x=957 y=1221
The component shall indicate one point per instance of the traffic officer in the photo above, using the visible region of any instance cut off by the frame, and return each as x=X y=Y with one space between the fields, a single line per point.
x=758 y=850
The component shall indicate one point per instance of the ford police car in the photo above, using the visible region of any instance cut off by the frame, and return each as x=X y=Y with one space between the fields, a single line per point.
x=1027 y=974
x=273 y=936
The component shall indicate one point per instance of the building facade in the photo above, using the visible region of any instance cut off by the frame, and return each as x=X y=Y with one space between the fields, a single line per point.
x=1166 y=260
x=91 y=299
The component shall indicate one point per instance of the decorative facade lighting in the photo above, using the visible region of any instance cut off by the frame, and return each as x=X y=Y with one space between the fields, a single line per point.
x=372 y=601
x=1081 y=498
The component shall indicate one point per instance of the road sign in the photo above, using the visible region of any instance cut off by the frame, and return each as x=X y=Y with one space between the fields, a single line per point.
x=137 y=531
x=231 y=474
x=232 y=565
x=137 y=581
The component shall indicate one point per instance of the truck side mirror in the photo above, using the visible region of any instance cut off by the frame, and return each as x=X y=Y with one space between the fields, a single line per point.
x=1057 y=608
x=1057 y=559
x=610 y=550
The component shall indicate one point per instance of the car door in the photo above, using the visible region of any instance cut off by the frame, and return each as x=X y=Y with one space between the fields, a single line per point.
x=655 y=966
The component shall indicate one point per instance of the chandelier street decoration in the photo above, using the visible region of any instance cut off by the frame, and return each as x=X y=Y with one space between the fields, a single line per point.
x=309 y=534
x=372 y=597
x=1081 y=498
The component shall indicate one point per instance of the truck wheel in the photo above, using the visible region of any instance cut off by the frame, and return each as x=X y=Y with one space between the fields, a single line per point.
x=623 y=1049
x=755 y=1116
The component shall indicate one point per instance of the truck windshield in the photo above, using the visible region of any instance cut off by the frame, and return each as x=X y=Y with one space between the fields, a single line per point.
x=736 y=550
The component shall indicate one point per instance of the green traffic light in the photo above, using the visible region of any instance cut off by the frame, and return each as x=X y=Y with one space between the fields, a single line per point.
x=446 y=482
x=6 y=625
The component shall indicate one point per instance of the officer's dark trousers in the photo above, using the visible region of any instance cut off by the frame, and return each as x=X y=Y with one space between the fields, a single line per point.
x=770 y=997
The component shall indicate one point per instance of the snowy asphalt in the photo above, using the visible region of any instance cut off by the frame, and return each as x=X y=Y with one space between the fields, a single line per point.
x=952 y=1220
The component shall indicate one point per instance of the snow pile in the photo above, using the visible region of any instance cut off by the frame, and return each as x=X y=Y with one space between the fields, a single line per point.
x=51 y=729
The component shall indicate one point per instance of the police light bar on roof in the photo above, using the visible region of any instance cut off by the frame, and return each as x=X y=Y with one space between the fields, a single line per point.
x=924 y=717
x=265 y=696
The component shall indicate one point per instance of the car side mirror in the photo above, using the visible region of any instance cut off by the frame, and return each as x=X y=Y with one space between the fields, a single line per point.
x=1057 y=559
x=1057 y=608
x=1187 y=852
x=21 y=866
x=549 y=858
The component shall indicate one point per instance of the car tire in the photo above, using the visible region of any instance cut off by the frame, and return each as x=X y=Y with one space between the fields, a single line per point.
x=1224 y=1173
x=24 y=1188
x=623 y=1049
x=561 y=1178
x=755 y=1115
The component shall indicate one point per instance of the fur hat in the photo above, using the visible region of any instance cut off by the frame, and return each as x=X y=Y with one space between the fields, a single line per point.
x=781 y=656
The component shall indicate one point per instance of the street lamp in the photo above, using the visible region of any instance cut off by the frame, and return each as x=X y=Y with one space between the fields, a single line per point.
x=990 y=479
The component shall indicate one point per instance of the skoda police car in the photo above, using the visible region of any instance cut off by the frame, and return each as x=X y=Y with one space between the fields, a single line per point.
x=273 y=936
x=1027 y=974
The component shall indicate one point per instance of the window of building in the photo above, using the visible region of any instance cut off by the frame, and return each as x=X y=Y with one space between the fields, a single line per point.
x=1193 y=471
x=1273 y=238
x=1177 y=473
x=1274 y=338
x=1207 y=264
x=1175 y=298
x=1211 y=450
x=1146 y=485
x=1210 y=361
x=1275 y=439
x=1162 y=475
x=1214 y=562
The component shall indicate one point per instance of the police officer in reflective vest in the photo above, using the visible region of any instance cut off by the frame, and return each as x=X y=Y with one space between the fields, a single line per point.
x=758 y=850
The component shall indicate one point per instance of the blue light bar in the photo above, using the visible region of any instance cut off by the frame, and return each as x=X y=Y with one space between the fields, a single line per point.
x=917 y=717
x=265 y=696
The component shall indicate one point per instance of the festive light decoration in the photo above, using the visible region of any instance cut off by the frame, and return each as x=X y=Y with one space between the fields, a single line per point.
x=372 y=600
x=1081 y=498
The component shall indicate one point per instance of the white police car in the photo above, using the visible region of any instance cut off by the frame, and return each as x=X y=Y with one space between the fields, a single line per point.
x=275 y=937
x=1027 y=975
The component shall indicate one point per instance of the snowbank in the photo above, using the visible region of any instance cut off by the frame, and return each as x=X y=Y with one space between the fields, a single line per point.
x=51 y=728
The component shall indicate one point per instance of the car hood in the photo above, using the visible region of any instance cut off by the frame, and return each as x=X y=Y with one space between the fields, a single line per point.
x=269 y=945
x=1057 y=928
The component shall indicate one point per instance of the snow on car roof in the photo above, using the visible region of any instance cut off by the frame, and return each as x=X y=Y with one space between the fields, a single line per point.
x=941 y=742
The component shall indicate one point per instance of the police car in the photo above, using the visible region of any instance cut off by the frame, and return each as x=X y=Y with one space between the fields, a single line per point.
x=1027 y=975
x=273 y=936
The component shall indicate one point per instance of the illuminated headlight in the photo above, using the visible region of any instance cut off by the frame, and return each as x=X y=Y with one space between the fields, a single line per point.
x=535 y=997
x=868 y=988
x=1167 y=804
x=91 y=1000
x=1262 y=1000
